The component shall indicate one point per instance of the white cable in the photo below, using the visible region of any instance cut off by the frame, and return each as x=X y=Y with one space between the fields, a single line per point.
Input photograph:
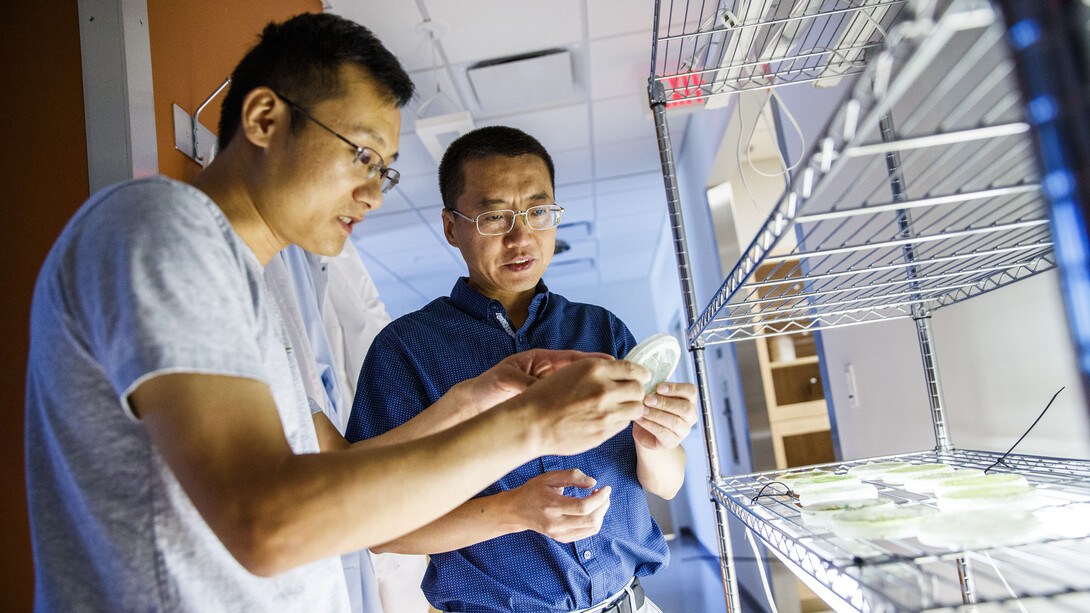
x=779 y=154
x=761 y=570
x=1017 y=600
x=738 y=160
x=422 y=109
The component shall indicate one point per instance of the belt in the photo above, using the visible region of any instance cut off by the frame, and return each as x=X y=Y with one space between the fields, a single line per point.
x=630 y=600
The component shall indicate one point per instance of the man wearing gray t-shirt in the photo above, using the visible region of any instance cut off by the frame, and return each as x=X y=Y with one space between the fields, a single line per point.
x=173 y=462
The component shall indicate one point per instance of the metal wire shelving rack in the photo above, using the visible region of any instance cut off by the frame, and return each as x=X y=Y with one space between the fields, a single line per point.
x=906 y=575
x=923 y=191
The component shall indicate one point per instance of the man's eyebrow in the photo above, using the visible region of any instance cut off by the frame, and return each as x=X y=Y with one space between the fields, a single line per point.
x=375 y=136
x=501 y=201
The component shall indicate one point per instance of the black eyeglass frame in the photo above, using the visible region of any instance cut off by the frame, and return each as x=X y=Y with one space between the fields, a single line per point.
x=514 y=215
x=390 y=176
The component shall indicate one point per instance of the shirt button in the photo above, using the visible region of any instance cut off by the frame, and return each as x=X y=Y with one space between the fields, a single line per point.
x=587 y=555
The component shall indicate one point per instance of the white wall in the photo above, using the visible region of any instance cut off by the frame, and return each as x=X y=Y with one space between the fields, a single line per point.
x=892 y=415
x=1001 y=357
x=1006 y=357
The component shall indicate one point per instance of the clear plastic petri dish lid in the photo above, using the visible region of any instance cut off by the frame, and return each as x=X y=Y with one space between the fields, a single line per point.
x=879 y=522
x=875 y=470
x=659 y=354
x=995 y=527
x=821 y=514
x=856 y=491
x=1011 y=497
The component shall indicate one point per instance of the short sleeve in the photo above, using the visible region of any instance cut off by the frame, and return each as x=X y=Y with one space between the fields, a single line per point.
x=158 y=286
x=623 y=341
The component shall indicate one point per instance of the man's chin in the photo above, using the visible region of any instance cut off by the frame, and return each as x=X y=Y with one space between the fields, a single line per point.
x=329 y=249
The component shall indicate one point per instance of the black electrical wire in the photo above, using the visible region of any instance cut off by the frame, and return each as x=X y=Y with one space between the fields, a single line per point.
x=1002 y=457
x=761 y=492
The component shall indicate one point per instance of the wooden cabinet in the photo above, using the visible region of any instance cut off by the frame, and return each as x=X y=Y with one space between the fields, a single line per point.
x=791 y=373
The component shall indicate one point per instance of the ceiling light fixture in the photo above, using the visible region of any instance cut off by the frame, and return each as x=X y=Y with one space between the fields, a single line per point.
x=438 y=132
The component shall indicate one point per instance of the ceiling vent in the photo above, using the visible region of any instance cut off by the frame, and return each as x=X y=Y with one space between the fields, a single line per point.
x=574 y=231
x=437 y=133
x=518 y=81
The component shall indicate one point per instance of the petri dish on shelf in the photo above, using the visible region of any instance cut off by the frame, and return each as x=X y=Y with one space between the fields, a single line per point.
x=838 y=492
x=928 y=481
x=880 y=522
x=1010 y=497
x=821 y=514
x=822 y=482
x=980 y=529
x=898 y=476
x=875 y=470
x=990 y=480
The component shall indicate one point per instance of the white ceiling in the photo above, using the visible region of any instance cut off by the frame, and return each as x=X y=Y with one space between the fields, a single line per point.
x=600 y=134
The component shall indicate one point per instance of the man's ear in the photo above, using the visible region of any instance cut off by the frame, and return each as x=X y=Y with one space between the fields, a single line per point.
x=262 y=113
x=448 y=227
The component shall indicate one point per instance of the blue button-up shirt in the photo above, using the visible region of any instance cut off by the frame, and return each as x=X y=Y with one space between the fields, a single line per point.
x=420 y=356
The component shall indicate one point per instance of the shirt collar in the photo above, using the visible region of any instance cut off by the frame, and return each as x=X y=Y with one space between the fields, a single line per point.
x=478 y=305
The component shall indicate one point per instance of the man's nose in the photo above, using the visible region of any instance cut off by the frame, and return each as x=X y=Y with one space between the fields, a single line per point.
x=518 y=230
x=369 y=194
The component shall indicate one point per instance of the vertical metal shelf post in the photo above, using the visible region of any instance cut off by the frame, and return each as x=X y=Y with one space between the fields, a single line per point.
x=921 y=314
x=677 y=224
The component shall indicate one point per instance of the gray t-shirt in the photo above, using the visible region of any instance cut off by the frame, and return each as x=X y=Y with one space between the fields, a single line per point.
x=147 y=278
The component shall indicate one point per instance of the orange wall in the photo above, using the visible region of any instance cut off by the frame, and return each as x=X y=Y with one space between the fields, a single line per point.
x=43 y=171
x=194 y=46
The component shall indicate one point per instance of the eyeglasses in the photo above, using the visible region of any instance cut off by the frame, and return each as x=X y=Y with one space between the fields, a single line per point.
x=492 y=223
x=368 y=157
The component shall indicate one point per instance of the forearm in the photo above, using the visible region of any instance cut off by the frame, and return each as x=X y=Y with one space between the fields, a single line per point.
x=274 y=509
x=660 y=471
x=451 y=409
x=475 y=521
x=391 y=490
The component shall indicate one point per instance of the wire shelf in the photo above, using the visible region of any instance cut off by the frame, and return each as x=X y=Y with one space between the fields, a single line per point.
x=1050 y=574
x=922 y=192
x=714 y=48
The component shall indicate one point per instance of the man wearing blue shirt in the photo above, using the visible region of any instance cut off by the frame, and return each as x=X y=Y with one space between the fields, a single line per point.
x=522 y=544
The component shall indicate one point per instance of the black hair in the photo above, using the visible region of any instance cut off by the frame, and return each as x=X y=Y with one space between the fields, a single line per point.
x=301 y=58
x=482 y=143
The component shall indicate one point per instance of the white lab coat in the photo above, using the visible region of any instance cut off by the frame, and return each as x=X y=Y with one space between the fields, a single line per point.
x=332 y=312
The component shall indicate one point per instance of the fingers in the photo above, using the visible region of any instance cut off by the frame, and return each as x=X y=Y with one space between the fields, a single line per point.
x=623 y=370
x=658 y=436
x=578 y=518
x=686 y=391
x=568 y=478
x=585 y=403
x=669 y=418
x=515 y=380
x=541 y=362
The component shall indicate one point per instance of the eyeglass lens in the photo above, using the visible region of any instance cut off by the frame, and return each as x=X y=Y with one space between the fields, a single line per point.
x=372 y=161
x=537 y=218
